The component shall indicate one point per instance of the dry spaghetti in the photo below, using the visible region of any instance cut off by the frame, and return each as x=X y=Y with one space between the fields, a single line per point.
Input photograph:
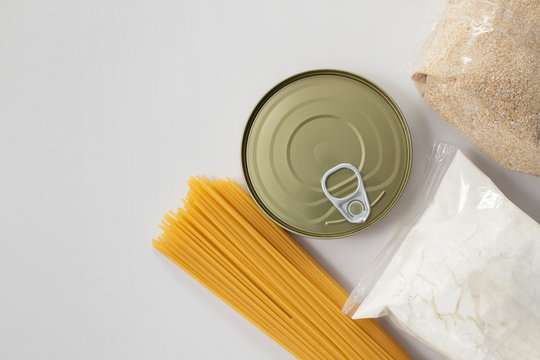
x=224 y=241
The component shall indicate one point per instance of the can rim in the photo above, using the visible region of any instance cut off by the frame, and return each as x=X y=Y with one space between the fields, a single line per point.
x=303 y=75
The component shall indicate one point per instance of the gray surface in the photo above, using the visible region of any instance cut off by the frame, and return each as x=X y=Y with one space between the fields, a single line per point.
x=104 y=114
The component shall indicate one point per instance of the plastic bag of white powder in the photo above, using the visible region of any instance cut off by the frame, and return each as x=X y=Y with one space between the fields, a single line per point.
x=463 y=274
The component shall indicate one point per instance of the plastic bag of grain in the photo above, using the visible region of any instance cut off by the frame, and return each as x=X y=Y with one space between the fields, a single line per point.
x=480 y=70
x=462 y=273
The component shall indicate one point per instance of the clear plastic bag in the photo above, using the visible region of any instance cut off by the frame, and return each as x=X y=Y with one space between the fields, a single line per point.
x=479 y=69
x=462 y=273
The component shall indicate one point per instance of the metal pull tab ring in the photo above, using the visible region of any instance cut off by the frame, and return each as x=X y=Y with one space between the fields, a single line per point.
x=355 y=207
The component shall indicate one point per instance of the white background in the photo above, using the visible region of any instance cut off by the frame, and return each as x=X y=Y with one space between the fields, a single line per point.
x=106 y=108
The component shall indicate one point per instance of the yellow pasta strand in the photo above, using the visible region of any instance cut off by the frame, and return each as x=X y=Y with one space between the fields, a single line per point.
x=224 y=241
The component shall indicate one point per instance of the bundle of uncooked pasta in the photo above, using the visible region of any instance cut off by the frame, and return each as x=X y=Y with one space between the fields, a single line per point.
x=226 y=242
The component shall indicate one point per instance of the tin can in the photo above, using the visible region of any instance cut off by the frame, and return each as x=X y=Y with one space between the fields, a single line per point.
x=308 y=125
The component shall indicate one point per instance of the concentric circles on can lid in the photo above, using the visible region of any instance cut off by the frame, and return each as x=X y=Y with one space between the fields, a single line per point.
x=309 y=124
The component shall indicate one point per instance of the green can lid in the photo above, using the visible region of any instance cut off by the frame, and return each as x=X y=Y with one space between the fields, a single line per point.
x=310 y=123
